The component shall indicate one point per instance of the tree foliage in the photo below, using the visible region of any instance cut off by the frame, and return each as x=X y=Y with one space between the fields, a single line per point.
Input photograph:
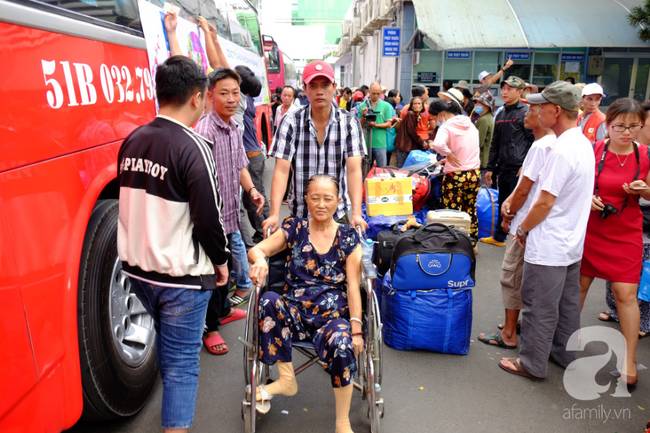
x=640 y=17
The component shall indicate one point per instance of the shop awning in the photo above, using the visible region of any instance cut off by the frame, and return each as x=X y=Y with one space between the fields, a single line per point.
x=453 y=24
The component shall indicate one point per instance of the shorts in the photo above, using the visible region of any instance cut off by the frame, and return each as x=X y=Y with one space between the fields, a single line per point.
x=511 y=274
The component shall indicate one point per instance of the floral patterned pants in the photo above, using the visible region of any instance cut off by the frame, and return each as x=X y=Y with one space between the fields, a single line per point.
x=459 y=191
x=283 y=321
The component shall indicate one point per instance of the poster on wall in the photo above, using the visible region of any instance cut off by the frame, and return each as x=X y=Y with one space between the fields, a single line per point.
x=192 y=43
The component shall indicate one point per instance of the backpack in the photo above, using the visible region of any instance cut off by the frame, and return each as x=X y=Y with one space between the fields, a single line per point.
x=433 y=257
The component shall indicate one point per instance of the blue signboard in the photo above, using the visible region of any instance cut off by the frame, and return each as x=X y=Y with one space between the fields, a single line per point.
x=391 y=41
x=459 y=55
x=573 y=57
x=518 y=56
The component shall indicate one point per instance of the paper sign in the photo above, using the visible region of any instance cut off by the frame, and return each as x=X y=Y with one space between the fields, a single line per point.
x=572 y=67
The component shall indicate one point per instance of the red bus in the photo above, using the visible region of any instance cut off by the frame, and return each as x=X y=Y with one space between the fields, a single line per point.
x=280 y=68
x=75 y=82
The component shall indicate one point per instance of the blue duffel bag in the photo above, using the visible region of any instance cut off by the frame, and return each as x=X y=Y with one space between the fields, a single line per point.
x=487 y=211
x=438 y=320
x=433 y=257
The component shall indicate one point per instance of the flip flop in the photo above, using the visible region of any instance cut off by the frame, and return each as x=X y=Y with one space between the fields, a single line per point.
x=238 y=300
x=235 y=314
x=604 y=316
x=500 y=326
x=212 y=340
x=495 y=340
x=519 y=369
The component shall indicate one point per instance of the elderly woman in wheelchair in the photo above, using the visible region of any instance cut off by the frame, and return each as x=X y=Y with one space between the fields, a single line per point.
x=321 y=302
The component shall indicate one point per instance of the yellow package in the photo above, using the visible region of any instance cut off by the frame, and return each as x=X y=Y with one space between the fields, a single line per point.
x=389 y=196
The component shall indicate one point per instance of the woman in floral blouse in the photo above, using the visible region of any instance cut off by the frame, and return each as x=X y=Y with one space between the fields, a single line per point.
x=321 y=301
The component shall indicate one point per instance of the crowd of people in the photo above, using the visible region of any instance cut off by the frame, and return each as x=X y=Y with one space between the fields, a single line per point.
x=570 y=181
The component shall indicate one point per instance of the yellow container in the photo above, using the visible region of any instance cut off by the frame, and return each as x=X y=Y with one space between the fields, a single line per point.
x=389 y=196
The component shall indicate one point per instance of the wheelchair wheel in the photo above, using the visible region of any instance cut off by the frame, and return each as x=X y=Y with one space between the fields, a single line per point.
x=372 y=365
x=255 y=372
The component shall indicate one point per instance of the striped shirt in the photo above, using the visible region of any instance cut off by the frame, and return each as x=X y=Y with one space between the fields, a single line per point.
x=230 y=159
x=296 y=141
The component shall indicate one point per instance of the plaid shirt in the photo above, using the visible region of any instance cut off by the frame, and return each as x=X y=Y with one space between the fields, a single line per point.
x=230 y=159
x=295 y=141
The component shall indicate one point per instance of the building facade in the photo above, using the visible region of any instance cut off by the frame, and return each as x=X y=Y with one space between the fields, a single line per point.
x=447 y=41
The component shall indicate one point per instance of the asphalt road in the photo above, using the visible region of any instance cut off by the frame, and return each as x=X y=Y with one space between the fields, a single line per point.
x=423 y=392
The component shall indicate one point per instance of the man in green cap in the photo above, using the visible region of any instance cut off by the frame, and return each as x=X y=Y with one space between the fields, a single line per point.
x=510 y=144
x=553 y=234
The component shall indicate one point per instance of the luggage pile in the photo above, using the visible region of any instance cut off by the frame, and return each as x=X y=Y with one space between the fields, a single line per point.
x=425 y=256
x=427 y=293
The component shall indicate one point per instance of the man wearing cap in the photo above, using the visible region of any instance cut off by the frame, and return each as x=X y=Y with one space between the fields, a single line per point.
x=553 y=234
x=376 y=116
x=487 y=79
x=318 y=139
x=592 y=120
x=484 y=123
x=510 y=144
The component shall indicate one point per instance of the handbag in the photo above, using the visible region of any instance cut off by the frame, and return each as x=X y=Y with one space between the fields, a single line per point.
x=386 y=240
x=644 y=285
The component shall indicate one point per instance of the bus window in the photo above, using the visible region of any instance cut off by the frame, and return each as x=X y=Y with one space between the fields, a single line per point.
x=122 y=12
x=274 y=59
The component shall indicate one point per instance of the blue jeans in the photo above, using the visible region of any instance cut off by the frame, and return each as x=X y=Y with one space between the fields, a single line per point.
x=239 y=272
x=379 y=156
x=179 y=317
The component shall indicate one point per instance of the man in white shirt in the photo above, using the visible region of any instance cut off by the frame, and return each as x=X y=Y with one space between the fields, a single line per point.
x=553 y=233
x=514 y=210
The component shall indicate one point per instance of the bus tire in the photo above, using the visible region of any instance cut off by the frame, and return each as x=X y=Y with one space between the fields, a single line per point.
x=111 y=387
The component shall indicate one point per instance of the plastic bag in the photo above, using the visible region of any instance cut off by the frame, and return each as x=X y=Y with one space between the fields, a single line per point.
x=417 y=157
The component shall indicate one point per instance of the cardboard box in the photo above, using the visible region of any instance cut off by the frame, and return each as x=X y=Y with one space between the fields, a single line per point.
x=389 y=196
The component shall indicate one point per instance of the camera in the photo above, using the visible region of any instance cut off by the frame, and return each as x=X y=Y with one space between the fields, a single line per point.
x=371 y=116
x=608 y=210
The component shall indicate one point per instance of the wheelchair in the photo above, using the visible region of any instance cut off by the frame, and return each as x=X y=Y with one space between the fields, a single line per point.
x=369 y=372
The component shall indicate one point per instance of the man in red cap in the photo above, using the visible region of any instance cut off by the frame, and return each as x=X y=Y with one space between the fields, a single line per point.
x=320 y=138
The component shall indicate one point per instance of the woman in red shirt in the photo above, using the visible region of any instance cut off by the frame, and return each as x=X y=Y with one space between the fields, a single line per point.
x=613 y=245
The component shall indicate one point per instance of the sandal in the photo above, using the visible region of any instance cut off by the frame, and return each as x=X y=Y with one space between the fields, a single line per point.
x=215 y=344
x=262 y=400
x=495 y=340
x=604 y=316
x=518 y=369
x=235 y=314
x=236 y=300
x=500 y=326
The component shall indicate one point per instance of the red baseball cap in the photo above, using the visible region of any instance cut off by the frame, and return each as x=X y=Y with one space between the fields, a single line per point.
x=317 y=68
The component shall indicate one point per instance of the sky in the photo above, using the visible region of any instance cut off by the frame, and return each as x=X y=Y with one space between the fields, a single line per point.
x=299 y=42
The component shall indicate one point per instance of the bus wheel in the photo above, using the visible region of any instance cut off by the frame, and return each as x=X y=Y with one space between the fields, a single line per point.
x=116 y=335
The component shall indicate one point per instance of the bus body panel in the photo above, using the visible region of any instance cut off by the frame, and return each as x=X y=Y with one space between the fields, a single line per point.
x=61 y=125
x=62 y=94
x=45 y=229
x=51 y=173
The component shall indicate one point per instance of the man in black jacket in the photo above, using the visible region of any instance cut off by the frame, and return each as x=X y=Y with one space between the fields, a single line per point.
x=170 y=234
x=510 y=144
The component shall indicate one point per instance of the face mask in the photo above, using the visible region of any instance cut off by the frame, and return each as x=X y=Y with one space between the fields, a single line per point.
x=479 y=110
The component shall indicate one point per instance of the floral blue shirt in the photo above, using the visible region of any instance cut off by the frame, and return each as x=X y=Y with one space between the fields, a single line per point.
x=310 y=274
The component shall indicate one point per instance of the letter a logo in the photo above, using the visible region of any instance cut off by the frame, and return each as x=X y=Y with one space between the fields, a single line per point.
x=580 y=375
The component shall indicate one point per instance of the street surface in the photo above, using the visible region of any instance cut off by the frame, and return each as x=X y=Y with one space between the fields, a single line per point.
x=423 y=392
